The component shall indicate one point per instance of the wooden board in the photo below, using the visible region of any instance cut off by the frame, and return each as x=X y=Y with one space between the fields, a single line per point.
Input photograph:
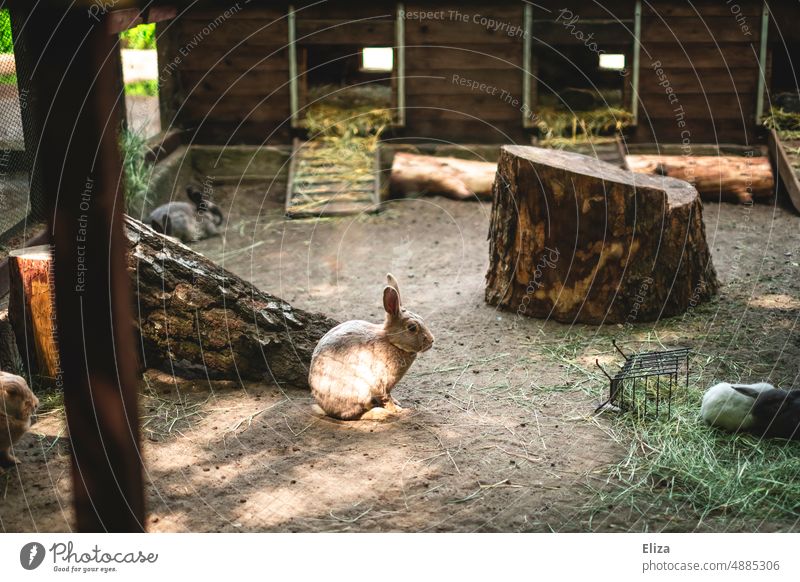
x=784 y=170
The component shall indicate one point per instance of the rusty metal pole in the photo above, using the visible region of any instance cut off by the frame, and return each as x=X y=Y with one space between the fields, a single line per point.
x=74 y=92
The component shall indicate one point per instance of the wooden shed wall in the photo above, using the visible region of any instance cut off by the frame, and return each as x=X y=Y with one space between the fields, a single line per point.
x=231 y=84
x=226 y=79
x=448 y=58
x=710 y=62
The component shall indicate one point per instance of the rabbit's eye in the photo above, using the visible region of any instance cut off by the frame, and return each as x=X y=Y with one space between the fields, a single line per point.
x=412 y=327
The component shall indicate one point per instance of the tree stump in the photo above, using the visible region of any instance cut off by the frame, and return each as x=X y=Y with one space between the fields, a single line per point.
x=199 y=320
x=31 y=311
x=579 y=240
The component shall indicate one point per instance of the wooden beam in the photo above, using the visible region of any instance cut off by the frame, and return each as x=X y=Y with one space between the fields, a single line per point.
x=118 y=21
x=78 y=157
x=527 y=72
x=161 y=13
x=123 y=19
x=400 y=65
x=294 y=103
x=762 y=62
x=637 y=50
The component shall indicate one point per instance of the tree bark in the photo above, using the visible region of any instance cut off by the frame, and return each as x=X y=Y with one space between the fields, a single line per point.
x=734 y=178
x=199 y=320
x=451 y=177
x=578 y=240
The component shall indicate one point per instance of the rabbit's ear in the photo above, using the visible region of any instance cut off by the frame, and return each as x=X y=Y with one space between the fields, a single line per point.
x=747 y=391
x=163 y=227
x=391 y=301
x=194 y=194
x=392 y=282
x=214 y=209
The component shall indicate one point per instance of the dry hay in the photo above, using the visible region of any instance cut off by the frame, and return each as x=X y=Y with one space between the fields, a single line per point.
x=556 y=124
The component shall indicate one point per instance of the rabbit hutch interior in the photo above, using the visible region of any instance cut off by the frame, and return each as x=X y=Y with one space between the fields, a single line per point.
x=570 y=198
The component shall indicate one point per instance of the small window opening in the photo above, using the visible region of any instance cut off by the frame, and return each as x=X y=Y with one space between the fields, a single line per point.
x=377 y=59
x=612 y=62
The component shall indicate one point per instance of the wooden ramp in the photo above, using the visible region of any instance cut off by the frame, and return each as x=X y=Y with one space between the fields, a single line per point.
x=324 y=181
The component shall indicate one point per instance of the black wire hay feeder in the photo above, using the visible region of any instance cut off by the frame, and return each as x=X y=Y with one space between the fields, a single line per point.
x=646 y=383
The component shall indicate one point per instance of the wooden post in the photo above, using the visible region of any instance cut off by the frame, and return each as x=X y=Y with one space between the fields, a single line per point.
x=77 y=105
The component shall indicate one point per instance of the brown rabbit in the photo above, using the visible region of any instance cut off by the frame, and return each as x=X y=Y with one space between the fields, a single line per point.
x=17 y=405
x=356 y=365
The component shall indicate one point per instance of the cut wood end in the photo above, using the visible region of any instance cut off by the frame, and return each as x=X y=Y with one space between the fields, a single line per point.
x=679 y=192
x=37 y=253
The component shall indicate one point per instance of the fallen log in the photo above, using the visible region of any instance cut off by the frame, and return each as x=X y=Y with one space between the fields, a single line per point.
x=734 y=178
x=579 y=240
x=196 y=319
x=451 y=177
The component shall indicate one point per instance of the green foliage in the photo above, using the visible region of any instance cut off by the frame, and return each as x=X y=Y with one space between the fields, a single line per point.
x=147 y=88
x=136 y=170
x=142 y=37
x=6 y=42
x=8 y=79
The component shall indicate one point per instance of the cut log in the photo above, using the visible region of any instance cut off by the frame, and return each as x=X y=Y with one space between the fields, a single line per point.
x=199 y=320
x=31 y=311
x=735 y=178
x=579 y=240
x=451 y=177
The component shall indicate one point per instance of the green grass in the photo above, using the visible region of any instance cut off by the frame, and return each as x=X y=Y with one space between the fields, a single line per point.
x=8 y=79
x=136 y=169
x=148 y=88
x=142 y=37
x=680 y=470
x=675 y=465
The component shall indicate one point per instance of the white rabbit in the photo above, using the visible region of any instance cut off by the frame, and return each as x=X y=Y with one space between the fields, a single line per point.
x=727 y=408
x=356 y=365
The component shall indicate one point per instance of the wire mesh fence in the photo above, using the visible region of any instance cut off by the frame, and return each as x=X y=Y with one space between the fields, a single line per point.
x=21 y=201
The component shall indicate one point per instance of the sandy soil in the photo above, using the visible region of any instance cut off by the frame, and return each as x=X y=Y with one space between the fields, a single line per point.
x=500 y=436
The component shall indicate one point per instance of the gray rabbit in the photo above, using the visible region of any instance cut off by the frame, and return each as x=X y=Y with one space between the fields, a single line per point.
x=356 y=364
x=188 y=221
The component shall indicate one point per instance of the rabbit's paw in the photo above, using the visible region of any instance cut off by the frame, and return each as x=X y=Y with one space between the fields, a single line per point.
x=377 y=413
x=8 y=460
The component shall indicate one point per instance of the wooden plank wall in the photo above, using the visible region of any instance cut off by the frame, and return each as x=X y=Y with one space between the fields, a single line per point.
x=231 y=84
x=449 y=57
x=229 y=75
x=711 y=64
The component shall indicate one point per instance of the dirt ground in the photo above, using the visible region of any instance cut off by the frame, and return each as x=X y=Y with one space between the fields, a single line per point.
x=500 y=434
